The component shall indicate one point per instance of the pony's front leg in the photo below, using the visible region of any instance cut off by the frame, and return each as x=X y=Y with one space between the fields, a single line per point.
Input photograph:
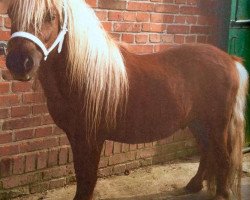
x=86 y=160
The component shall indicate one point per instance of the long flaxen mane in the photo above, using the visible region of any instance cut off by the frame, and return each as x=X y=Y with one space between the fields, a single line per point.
x=95 y=64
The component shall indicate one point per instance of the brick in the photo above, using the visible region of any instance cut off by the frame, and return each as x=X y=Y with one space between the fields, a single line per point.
x=53 y=158
x=161 y=18
x=192 y=2
x=127 y=27
x=23 y=134
x=166 y=8
x=4 y=87
x=18 y=164
x=42 y=159
x=121 y=158
x=180 y=19
x=64 y=140
x=177 y=29
x=38 y=144
x=190 y=39
x=112 y=4
x=128 y=16
x=21 y=86
x=6 y=74
x=179 y=39
x=117 y=147
x=21 y=123
x=8 y=150
x=30 y=163
x=116 y=36
x=7 y=22
x=4 y=35
x=152 y=27
x=43 y=132
x=102 y=15
x=191 y=19
x=180 y=1
x=133 y=165
x=18 y=180
x=70 y=169
x=128 y=38
x=5 y=137
x=103 y=162
x=167 y=38
x=155 y=38
x=145 y=153
x=202 y=38
x=132 y=147
x=199 y=30
x=140 y=146
x=70 y=156
x=107 y=26
x=39 y=187
x=57 y=183
x=92 y=3
x=9 y=100
x=20 y=111
x=4 y=113
x=125 y=148
x=33 y=98
x=139 y=6
x=142 y=17
x=115 y=15
x=47 y=120
x=56 y=172
x=109 y=145
x=63 y=155
x=39 y=109
x=190 y=10
x=141 y=38
x=148 y=145
x=58 y=131
x=5 y=167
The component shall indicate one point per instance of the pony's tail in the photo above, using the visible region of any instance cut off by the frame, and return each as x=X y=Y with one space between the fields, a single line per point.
x=237 y=130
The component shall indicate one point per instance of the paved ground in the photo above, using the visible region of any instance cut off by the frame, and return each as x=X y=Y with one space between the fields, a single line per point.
x=159 y=182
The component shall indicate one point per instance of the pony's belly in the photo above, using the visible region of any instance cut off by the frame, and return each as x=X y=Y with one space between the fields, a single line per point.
x=142 y=134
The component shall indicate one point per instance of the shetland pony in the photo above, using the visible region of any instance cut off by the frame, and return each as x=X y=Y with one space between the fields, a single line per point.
x=98 y=90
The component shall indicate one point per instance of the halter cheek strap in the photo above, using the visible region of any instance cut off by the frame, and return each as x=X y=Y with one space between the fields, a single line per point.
x=59 y=40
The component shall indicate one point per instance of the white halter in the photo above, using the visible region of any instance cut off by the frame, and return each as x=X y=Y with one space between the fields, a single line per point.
x=59 y=40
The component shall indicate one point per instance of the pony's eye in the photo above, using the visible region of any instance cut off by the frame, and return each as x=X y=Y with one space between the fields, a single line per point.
x=50 y=17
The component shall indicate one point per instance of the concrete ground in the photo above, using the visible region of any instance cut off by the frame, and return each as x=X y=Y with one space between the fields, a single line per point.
x=159 y=182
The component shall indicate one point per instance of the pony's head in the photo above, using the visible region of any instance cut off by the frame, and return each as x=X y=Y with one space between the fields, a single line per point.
x=35 y=28
x=93 y=60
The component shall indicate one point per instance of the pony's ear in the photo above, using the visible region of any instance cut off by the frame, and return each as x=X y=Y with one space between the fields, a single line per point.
x=4 y=4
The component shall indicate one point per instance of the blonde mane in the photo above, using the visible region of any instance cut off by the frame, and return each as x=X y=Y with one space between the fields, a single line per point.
x=95 y=64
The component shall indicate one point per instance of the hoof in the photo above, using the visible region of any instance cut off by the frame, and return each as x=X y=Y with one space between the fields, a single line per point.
x=194 y=186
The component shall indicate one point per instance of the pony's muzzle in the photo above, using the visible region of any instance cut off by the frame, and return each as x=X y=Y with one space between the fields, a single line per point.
x=21 y=65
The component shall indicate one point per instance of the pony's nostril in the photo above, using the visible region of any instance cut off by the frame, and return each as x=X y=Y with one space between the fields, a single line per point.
x=28 y=64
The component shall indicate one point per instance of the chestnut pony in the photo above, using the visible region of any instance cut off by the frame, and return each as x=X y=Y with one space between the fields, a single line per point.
x=98 y=90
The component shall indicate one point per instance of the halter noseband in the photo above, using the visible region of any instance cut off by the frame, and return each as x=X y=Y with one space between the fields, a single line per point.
x=59 y=40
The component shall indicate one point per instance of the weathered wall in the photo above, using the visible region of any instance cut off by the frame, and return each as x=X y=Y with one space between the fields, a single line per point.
x=35 y=155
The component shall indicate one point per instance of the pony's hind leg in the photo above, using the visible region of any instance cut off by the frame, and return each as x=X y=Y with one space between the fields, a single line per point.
x=199 y=132
x=220 y=163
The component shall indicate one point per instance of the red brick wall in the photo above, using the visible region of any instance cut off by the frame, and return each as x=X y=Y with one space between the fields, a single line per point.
x=35 y=155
